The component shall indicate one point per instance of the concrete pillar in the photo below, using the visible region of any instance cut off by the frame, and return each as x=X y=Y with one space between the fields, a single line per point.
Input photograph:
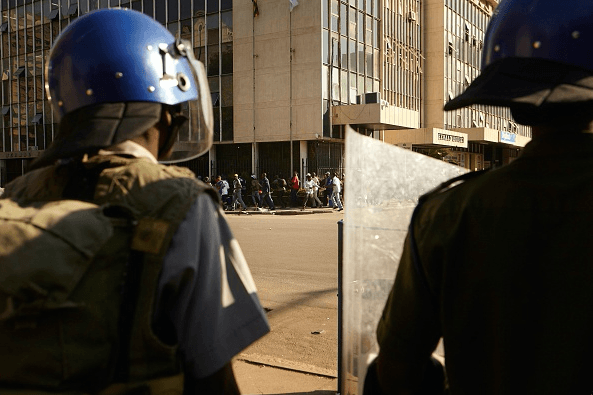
x=254 y=158
x=303 y=156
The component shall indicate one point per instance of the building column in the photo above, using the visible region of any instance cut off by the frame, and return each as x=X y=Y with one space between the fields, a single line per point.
x=211 y=160
x=303 y=156
x=254 y=158
x=2 y=173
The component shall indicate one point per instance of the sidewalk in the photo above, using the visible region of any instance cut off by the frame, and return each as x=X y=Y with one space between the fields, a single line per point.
x=257 y=374
x=283 y=211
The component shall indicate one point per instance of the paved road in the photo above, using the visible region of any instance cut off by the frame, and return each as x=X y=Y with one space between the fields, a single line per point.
x=293 y=260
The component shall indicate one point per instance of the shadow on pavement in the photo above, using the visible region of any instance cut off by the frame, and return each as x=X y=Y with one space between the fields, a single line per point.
x=301 y=300
x=309 y=393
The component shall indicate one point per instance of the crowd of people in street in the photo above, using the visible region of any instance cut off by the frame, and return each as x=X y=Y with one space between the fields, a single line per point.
x=261 y=193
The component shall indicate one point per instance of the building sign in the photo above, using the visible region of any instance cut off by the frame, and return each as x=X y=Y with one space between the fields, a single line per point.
x=508 y=137
x=449 y=138
x=19 y=155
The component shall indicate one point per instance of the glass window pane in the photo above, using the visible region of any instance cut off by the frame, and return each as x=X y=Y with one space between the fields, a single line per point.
x=227 y=26
x=172 y=11
x=199 y=32
x=199 y=7
x=186 y=30
x=212 y=6
x=360 y=27
x=324 y=13
x=375 y=34
x=200 y=54
x=184 y=9
x=227 y=58
x=343 y=53
x=159 y=11
x=226 y=90
x=214 y=84
x=147 y=7
x=343 y=19
x=369 y=61
x=213 y=60
x=37 y=13
x=335 y=83
x=227 y=123
x=226 y=5
x=212 y=25
x=21 y=41
x=352 y=54
x=216 y=126
x=344 y=85
x=325 y=47
x=352 y=23
x=361 y=58
x=137 y=6
x=173 y=27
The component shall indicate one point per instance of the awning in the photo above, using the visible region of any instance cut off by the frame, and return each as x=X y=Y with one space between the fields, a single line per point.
x=487 y=135
x=378 y=116
x=426 y=137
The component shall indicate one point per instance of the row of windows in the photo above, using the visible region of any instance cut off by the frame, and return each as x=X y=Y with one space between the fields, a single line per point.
x=345 y=86
x=403 y=59
x=40 y=12
x=352 y=23
x=465 y=24
x=350 y=50
x=28 y=31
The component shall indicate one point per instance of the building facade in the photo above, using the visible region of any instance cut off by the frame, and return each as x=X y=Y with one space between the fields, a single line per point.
x=286 y=77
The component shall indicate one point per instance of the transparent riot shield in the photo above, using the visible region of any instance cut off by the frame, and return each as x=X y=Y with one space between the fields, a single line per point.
x=383 y=184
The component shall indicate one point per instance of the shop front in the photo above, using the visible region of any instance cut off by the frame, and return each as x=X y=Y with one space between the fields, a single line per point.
x=446 y=145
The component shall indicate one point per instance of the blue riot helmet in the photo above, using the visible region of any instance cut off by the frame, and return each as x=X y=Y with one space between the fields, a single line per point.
x=108 y=76
x=536 y=54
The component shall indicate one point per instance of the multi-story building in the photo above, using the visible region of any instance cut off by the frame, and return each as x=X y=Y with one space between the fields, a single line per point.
x=286 y=78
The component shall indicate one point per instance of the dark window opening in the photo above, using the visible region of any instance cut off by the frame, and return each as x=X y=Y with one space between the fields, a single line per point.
x=215 y=96
x=19 y=72
x=72 y=10
x=37 y=119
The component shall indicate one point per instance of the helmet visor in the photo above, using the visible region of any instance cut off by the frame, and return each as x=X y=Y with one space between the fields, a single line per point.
x=195 y=136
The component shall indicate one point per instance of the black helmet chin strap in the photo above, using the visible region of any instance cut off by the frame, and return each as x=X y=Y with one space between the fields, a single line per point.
x=178 y=121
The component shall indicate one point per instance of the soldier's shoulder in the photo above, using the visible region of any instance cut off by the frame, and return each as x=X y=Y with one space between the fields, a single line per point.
x=451 y=196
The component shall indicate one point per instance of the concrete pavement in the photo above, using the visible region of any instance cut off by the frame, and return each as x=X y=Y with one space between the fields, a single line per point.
x=257 y=374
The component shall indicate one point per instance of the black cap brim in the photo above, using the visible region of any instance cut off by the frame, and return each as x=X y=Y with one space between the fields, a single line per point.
x=526 y=82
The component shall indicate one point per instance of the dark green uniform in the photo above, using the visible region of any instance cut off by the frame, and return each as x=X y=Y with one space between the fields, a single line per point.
x=514 y=311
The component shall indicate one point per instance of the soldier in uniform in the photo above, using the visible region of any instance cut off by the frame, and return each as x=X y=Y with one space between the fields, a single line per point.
x=163 y=305
x=498 y=264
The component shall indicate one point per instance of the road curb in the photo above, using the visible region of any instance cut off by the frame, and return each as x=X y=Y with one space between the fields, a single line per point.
x=281 y=212
x=279 y=363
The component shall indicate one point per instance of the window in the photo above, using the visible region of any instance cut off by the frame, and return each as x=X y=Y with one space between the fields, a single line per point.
x=213 y=59
x=227 y=58
x=37 y=119
x=72 y=10
x=215 y=97
x=20 y=72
